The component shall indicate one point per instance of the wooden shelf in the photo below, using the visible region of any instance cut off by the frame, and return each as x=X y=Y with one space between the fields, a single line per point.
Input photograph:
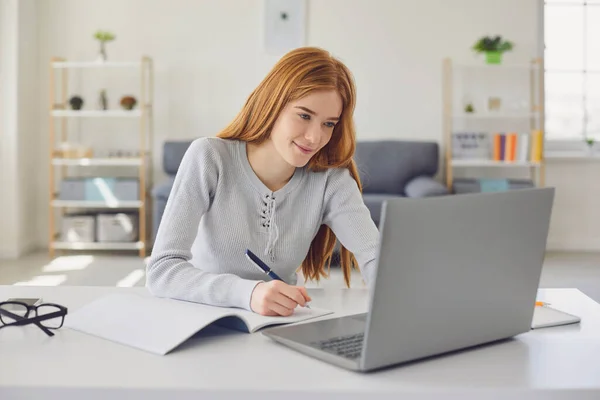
x=96 y=204
x=531 y=117
x=92 y=162
x=495 y=67
x=97 y=113
x=97 y=245
x=96 y=64
x=496 y=115
x=492 y=163
x=60 y=132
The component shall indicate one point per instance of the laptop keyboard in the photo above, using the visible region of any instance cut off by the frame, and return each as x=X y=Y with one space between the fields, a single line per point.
x=349 y=346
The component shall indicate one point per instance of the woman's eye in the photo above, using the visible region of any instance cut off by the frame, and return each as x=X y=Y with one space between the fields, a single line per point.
x=304 y=116
x=330 y=124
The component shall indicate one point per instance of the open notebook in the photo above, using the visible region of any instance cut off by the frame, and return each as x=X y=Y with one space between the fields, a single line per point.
x=545 y=317
x=159 y=325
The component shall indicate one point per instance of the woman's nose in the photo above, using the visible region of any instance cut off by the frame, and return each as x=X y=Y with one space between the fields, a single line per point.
x=312 y=135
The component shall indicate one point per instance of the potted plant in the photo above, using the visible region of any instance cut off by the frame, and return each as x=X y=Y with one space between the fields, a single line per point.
x=590 y=144
x=76 y=102
x=128 y=102
x=493 y=47
x=103 y=37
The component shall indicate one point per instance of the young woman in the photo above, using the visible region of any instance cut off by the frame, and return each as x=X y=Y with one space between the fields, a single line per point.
x=280 y=181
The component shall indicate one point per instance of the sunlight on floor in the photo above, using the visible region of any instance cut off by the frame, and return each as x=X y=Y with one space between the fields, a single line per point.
x=44 y=280
x=68 y=263
x=130 y=280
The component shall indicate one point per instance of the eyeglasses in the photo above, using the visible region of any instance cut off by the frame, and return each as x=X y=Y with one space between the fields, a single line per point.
x=45 y=316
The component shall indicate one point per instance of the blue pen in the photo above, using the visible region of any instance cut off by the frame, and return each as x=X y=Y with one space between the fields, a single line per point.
x=263 y=267
x=260 y=264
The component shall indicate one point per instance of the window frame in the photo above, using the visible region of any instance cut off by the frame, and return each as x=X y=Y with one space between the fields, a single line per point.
x=568 y=143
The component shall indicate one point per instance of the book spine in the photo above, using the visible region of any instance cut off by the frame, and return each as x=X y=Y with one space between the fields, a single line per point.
x=497 y=146
x=511 y=147
x=536 y=146
x=525 y=144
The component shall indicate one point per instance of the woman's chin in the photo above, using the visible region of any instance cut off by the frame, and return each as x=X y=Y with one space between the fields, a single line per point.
x=297 y=160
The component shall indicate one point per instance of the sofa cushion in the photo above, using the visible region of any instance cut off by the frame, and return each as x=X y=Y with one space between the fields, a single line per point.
x=386 y=166
x=374 y=202
x=425 y=186
x=163 y=190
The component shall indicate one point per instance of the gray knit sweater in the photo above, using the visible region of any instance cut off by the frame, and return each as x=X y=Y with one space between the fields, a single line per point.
x=218 y=208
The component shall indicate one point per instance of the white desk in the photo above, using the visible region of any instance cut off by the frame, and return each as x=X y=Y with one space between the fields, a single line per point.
x=551 y=363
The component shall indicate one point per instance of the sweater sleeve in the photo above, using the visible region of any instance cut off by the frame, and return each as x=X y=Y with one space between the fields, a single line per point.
x=169 y=272
x=350 y=220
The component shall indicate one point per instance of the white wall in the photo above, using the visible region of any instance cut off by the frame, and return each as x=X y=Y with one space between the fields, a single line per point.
x=395 y=49
x=8 y=134
x=19 y=163
x=30 y=166
x=208 y=57
x=575 y=223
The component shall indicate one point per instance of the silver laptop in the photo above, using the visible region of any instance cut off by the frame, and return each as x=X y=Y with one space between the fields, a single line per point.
x=452 y=272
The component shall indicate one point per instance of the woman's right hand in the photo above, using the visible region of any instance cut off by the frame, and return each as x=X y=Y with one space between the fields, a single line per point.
x=277 y=298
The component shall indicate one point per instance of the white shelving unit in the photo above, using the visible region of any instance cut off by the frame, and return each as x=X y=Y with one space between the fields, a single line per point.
x=96 y=204
x=99 y=161
x=97 y=246
x=97 y=113
x=496 y=115
x=453 y=114
x=59 y=166
x=96 y=64
x=495 y=67
x=492 y=163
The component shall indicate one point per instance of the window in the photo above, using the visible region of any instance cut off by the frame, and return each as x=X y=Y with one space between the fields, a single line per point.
x=572 y=76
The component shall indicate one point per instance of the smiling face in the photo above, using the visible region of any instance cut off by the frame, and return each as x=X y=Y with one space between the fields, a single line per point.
x=305 y=126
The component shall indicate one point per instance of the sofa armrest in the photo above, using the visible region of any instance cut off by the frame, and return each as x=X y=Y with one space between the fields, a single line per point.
x=425 y=186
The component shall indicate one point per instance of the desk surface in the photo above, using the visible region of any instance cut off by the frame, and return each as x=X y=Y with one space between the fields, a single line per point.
x=75 y=365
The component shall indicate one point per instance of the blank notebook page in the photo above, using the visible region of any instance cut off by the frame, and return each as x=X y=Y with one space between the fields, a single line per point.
x=547 y=316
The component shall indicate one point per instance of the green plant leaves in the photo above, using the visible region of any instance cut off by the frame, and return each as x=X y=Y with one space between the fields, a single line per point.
x=104 y=36
x=495 y=43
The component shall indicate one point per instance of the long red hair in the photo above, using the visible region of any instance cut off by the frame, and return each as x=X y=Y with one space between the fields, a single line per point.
x=295 y=75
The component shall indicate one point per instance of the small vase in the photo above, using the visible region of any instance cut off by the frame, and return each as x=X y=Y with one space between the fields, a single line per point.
x=102 y=55
x=590 y=151
x=493 y=57
x=103 y=100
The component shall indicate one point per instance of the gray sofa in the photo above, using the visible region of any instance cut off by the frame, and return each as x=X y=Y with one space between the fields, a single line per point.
x=387 y=169
x=397 y=168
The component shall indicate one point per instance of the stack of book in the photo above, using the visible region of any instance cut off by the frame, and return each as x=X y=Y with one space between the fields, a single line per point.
x=520 y=147
x=498 y=146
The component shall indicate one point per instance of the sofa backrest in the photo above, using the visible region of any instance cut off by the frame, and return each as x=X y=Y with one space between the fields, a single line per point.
x=173 y=152
x=386 y=166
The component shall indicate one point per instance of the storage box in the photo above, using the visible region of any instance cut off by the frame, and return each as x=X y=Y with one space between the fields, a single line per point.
x=117 y=227
x=465 y=185
x=72 y=189
x=471 y=145
x=78 y=228
x=100 y=189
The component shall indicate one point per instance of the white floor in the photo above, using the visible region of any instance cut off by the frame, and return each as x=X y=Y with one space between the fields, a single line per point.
x=578 y=270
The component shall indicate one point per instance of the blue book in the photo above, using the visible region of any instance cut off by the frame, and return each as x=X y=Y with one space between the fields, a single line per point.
x=493 y=185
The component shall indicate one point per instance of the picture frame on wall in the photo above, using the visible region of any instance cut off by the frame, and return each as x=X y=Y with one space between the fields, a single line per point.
x=284 y=25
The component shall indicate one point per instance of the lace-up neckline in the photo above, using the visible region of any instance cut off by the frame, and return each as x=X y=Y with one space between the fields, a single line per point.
x=268 y=221
x=269 y=199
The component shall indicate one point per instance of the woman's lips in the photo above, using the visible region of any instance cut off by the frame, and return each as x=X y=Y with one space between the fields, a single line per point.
x=305 y=150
